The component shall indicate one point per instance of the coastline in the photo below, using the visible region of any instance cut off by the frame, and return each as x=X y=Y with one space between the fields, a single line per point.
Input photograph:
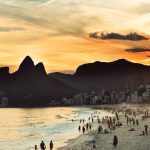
x=128 y=140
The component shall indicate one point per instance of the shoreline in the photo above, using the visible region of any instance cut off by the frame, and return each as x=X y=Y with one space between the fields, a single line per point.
x=130 y=140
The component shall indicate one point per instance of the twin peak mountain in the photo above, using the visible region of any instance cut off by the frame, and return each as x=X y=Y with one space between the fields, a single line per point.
x=30 y=85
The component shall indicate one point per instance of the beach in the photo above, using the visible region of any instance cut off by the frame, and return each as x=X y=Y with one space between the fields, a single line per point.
x=127 y=140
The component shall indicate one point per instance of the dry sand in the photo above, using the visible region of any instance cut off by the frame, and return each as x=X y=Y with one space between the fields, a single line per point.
x=128 y=140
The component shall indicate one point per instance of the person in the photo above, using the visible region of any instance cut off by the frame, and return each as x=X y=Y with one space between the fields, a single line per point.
x=83 y=129
x=83 y=121
x=132 y=129
x=51 y=145
x=99 y=129
x=87 y=126
x=127 y=120
x=115 y=141
x=137 y=122
x=105 y=131
x=94 y=146
x=146 y=129
x=114 y=120
x=36 y=147
x=117 y=116
x=92 y=120
x=80 y=120
x=42 y=146
x=143 y=133
x=90 y=126
x=79 y=128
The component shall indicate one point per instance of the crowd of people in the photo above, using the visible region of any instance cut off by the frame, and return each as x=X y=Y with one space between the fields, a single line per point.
x=108 y=123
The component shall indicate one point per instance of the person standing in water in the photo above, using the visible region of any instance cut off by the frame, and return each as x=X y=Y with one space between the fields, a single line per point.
x=115 y=141
x=51 y=145
x=42 y=146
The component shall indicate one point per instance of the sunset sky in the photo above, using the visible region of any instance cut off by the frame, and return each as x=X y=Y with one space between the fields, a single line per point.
x=56 y=32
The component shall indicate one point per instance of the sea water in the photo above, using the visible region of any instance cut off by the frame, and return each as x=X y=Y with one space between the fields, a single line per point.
x=22 y=128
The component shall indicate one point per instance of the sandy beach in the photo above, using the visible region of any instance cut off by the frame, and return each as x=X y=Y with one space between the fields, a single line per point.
x=127 y=140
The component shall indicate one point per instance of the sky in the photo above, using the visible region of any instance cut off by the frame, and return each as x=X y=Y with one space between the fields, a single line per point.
x=58 y=32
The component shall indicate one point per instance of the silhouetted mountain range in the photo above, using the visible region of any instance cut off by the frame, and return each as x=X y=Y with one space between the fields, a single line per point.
x=98 y=75
x=31 y=86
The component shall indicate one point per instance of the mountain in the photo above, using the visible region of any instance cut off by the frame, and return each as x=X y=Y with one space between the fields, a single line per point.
x=108 y=75
x=31 y=86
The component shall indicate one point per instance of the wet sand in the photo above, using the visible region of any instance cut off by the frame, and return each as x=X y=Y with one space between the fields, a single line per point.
x=127 y=140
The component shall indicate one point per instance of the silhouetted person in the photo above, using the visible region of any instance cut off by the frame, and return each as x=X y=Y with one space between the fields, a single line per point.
x=83 y=129
x=137 y=122
x=117 y=116
x=90 y=126
x=143 y=133
x=87 y=126
x=92 y=120
x=146 y=129
x=80 y=120
x=98 y=120
x=94 y=146
x=35 y=147
x=105 y=131
x=42 y=146
x=100 y=129
x=51 y=145
x=83 y=121
x=115 y=141
x=79 y=128
x=114 y=120
x=133 y=120
x=108 y=123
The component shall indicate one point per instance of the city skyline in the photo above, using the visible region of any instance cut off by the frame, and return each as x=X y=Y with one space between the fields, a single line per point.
x=58 y=33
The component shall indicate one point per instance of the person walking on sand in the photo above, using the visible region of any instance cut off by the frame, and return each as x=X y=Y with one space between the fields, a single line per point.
x=117 y=116
x=51 y=145
x=79 y=128
x=92 y=119
x=146 y=129
x=115 y=141
x=35 y=147
x=137 y=122
x=83 y=129
x=90 y=126
x=42 y=146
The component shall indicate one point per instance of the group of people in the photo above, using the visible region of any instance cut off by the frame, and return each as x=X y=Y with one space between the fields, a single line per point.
x=43 y=146
x=111 y=122
x=132 y=120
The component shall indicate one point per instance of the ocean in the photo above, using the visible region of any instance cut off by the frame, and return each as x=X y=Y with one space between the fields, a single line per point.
x=22 y=128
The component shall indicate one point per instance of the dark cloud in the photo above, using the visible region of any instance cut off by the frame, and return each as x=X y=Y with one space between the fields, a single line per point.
x=8 y=29
x=137 y=50
x=109 y=36
x=148 y=56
